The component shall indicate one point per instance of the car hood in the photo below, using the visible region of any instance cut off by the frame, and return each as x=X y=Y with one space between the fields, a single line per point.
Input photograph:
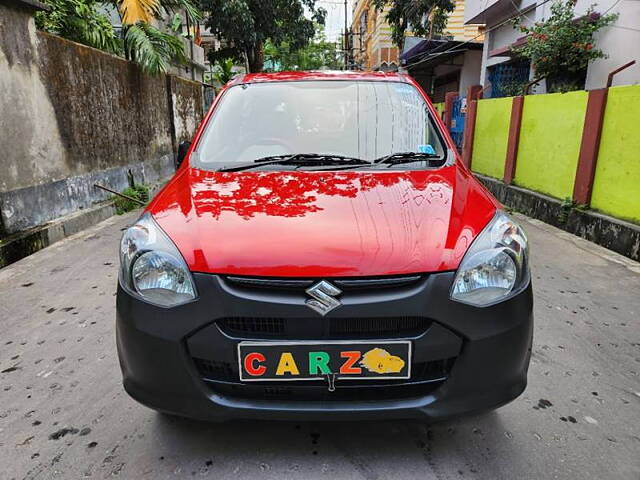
x=323 y=224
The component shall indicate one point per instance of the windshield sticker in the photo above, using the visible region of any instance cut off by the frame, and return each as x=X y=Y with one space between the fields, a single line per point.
x=403 y=87
x=426 y=149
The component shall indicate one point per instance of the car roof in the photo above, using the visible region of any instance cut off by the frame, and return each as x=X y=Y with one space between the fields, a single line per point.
x=319 y=75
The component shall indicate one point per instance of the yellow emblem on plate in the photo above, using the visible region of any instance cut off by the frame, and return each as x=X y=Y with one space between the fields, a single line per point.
x=380 y=361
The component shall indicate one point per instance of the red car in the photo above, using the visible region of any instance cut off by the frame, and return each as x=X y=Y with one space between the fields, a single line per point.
x=322 y=253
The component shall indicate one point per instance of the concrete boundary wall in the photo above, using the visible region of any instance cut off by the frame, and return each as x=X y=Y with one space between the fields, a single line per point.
x=617 y=235
x=27 y=207
x=72 y=116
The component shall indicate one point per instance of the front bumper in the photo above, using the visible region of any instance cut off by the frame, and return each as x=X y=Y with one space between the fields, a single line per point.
x=183 y=360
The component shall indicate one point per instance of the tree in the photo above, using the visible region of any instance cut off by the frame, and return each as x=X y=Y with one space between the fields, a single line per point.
x=425 y=18
x=561 y=47
x=245 y=25
x=318 y=54
x=139 y=40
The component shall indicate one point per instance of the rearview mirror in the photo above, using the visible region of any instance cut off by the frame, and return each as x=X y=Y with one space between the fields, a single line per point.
x=183 y=148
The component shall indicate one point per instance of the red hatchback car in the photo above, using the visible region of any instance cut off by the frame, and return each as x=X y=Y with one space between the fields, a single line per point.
x=322 y=253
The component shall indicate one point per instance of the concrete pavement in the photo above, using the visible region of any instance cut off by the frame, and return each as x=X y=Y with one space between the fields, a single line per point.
x=63 y=413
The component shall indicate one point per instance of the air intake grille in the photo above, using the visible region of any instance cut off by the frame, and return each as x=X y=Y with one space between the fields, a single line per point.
x=253 y=326
x=382 y=327
x=216 y=371
x=329 y=328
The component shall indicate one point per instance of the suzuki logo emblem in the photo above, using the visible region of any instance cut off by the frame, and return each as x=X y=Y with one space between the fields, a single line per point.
x=323 y=300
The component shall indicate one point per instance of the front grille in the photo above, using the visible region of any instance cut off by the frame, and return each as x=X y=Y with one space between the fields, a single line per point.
x=328 y=328
x=216 y=371
x=343 y=283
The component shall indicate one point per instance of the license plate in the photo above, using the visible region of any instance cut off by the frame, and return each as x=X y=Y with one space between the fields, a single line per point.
x=311 y=360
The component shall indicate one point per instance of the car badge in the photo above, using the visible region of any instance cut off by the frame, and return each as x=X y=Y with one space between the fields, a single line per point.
x=323 y=300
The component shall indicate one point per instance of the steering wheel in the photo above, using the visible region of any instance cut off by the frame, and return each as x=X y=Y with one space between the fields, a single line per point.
x=276 y=141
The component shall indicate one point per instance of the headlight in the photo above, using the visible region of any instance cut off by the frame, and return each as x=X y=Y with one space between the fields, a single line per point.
x=151 y=266
x=495 y=267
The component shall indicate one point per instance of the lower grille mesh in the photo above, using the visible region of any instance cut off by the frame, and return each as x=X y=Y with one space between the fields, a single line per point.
x=344 y=392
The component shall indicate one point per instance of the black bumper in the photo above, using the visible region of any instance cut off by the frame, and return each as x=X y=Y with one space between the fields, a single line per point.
x=183 y=360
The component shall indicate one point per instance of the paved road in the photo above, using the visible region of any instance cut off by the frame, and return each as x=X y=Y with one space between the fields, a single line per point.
x=63 y=413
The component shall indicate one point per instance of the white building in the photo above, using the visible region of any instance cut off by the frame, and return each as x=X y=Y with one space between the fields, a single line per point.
x=620 y=41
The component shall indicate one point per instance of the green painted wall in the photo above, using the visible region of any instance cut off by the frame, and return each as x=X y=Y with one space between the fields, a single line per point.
x=550 y=142
x=616 y=187
x=491 y=135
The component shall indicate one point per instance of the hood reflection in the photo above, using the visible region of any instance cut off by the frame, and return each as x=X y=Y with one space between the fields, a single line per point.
x=296 y=194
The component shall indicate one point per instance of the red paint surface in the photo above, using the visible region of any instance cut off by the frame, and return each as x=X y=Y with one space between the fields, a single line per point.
x=323 y=224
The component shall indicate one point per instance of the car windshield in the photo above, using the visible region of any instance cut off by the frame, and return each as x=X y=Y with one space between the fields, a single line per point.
x=356 y=119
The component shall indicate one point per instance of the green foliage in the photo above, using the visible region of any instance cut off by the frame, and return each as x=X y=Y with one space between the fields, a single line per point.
x=316 y=55
x=243 y=26
x=151 y=48
x=513 y=88
x=141 y=42
x=223 y=71
x=138 y=191
x=425 y=18
x=562 y=46
x=190 y=8
x=176 y=23
x=79 y=21
x=567 y=206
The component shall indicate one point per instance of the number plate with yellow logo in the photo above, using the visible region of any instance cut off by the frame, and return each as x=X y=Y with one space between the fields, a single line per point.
x=269 y=361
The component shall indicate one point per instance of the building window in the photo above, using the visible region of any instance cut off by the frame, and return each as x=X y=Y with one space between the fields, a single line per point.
x=508 y=79
x=566 y=81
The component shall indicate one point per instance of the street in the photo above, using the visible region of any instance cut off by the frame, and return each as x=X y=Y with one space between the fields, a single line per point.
x=64 y=414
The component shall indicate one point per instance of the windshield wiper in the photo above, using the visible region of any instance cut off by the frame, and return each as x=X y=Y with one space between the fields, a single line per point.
x=407 y=157
x=299 y=159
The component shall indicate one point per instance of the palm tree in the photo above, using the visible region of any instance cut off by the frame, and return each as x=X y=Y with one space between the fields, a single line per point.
x=144 y=43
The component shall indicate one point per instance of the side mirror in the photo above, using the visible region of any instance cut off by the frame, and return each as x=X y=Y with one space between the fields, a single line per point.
x=183 y=148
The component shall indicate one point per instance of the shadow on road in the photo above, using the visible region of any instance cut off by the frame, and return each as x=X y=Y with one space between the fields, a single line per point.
x=368 y=449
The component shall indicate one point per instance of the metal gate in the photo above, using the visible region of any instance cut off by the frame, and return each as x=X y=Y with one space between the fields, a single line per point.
x=208 y=95
x=457 y=121
x=508 y=79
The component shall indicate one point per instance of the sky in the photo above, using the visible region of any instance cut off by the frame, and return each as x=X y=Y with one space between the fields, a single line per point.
x=335 y=17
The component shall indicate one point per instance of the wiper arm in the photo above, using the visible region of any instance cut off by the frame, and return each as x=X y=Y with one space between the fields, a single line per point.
x=406 y=157
x=297 y=159
x=270 y=160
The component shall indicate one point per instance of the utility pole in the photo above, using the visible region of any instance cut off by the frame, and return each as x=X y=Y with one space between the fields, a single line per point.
x=346 y=38
x=193 y=73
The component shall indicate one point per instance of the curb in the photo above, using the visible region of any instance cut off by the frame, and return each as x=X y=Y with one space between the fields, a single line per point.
x=23 y=244
x=617 y=235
